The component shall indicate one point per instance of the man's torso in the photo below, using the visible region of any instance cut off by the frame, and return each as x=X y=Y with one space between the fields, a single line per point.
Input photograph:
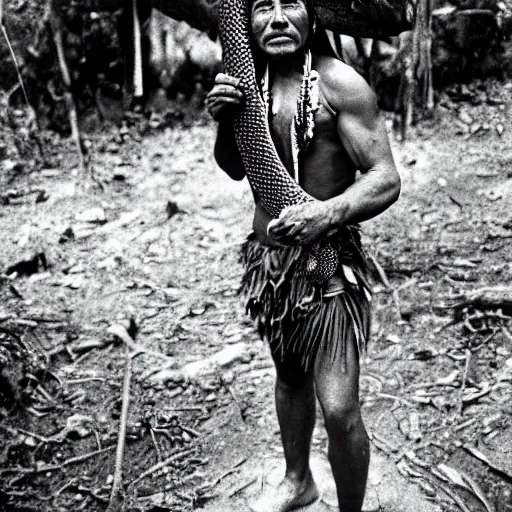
x=327 y=169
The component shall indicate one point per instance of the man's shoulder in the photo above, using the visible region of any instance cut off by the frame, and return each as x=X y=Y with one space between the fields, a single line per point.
x=344 y=88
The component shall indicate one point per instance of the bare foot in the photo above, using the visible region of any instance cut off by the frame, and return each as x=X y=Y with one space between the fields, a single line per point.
x=288 y=495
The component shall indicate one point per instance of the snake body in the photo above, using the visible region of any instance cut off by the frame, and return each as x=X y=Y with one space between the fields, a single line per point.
x=265 y=171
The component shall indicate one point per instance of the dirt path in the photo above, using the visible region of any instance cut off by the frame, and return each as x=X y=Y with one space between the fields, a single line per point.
x=177 y=278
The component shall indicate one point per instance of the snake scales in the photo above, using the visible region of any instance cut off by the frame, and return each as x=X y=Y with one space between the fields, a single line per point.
x=265 y=171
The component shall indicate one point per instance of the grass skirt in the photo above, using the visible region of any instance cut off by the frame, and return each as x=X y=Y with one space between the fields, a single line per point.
x=300 y=320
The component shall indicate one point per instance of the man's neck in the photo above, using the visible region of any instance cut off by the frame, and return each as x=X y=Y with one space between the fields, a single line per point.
x=287 y=65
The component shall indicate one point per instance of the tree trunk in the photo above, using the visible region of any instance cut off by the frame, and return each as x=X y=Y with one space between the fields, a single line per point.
x=353 y=17
x=416 y=94
x=56 y=28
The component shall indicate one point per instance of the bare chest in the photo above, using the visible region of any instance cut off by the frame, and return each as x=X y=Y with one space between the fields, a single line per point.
x=282 y=112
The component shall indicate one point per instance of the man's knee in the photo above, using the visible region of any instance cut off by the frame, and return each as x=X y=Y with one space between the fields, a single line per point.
x=342 y=415
x=291 y=378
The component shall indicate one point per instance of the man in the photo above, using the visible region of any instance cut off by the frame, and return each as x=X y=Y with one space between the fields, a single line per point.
x=315 y=331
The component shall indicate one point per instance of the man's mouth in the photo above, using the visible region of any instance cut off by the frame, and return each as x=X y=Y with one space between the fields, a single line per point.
x=278 y=39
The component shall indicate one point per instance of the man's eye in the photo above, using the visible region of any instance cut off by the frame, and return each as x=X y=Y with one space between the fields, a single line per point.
x=262 y=4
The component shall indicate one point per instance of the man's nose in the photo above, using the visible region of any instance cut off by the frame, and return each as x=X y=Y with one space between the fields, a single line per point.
x=279 y=20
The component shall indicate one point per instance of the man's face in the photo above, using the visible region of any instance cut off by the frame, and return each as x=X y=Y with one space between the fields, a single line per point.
x=279 y=27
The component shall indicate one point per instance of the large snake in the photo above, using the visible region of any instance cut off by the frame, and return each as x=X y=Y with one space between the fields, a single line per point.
x=265 y=171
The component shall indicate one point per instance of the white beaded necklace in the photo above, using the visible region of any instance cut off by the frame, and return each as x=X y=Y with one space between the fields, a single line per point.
x=303 y=125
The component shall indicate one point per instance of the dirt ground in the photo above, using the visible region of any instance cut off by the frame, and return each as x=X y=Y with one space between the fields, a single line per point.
x=134 y=286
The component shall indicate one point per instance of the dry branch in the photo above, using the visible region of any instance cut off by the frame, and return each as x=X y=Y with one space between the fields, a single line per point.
x=230 y=471
x=488 y=462
x=120 y=332
x=385 y=281
x=56 y=467
x=56 y=28
x=33 y=116
x=118 y=472
x=498 y=297
x=138 y=90
x=157 y=467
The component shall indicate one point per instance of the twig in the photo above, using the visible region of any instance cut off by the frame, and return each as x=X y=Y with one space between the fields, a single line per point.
x=381 y=444
x=33 y=116
x=183 y=409
x=66 y=463
x=86 y=379
x=382 y=275
x=454 y=497
x=242 y=486
x=407 y=284
x=15 y=291
x=91 y=492
x=463 y=385
x=487 y=340
x=118 y=472
x=483 y=458
x=13 y=55
x=137 y=50
x=146 y=375
x=398 y=307
x=83 y=357
x=506 y=332
x=43 y=319
x=163 y=464
x=55 y=24
x=241 y=409
x=98 y=439
x=10 y=333
x=155 y=444
x=191 y=431
x=385 y=281
x=70 y=483
x=58 y=438
x=82 y=458
x=215 y=482
x=449 y=323
x=121 y=332
x=43 y=393
x=396 y=398
x=477 y=396
x=465 y=424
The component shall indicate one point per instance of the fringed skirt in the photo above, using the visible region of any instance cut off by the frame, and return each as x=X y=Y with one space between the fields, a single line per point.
x=300 y=320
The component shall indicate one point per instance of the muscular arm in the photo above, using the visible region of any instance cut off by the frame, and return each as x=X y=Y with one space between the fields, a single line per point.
x=226 y=152
x=363 y=134
x=362 y=131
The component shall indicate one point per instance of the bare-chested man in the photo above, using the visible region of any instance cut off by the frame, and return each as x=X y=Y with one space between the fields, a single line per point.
x=315 y=332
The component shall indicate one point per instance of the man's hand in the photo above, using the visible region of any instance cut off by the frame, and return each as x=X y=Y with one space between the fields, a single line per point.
x=302 y=224
x=225 y=96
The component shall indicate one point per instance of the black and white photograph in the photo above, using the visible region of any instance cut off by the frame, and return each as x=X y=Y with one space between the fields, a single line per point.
x=256 y=255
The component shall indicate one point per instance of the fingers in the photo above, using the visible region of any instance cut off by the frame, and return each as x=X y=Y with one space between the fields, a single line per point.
x=277 y=228
x=225 y=85
x=223 y=79
x=216 y=106
x=287 y=228
x=299 y=225
x=225 y=93
x=223 y=90
x=283 y=233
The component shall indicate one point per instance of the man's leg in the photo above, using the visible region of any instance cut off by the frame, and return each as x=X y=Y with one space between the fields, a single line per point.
x=349 y=450
x=295 y=405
